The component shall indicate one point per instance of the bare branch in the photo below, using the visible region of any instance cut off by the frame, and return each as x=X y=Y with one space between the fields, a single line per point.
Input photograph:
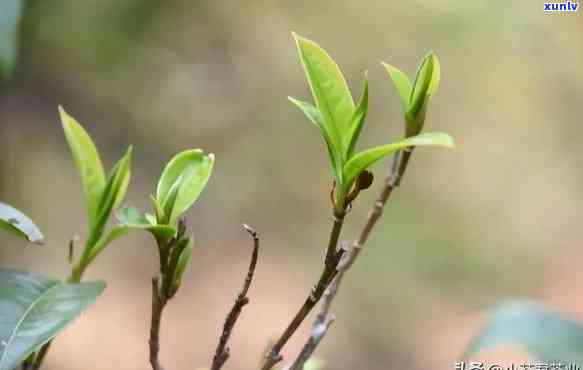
x=324 y=319
x=222 y=351
x=333 y=257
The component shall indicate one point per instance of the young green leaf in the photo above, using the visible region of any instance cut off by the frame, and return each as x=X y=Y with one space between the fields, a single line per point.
x=113 y=194
x=421 y=85
x=365 y=159
x=35 y=308
x=316 y=118
x=357 y=121
x=548 y=335
x=402 y=84
x=131 y=218
x=195 y=169
x=424 y=87
x=88 y=164
x=170 y=200
x=9 y=24
x=159 y=212
x=330 y=90
x=182 y=264
x=19 y=224
x=160 y=232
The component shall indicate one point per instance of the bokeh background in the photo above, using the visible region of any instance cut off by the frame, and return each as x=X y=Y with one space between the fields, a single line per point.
x=497 y=217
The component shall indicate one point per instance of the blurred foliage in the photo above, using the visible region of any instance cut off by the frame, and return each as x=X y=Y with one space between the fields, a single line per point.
x=9 y=25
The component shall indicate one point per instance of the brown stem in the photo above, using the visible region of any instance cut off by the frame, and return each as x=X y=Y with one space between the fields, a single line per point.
x=324 y=319
x=333 y=257
x=222 y=352
x=158 y=304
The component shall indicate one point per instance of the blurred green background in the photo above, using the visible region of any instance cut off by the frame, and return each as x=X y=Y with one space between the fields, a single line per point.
x=498 y=216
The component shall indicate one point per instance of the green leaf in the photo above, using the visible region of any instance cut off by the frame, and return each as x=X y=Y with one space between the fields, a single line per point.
x=402 y=84
x=19 y=224
x=546 y=334
x=182 y=264
x=157 y=209
x=170 y=200
x=316 y=118
x=113 y=193
x=424 y=87
x=435 y=76
x=365 y=159
x=357 y=121
x=131 y=215
x=88 y=164
x=130 y=218
x=35 y=309
x=330 y=91
x=195 y=169
x=9 y=25
x=421 y=85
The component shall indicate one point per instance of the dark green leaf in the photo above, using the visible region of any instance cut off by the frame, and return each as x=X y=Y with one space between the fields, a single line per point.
x=195 y=169
x=35 y=309
x=365 y=159
x=9 y=25
x=548 y=335
x=88 y=164
x=18 y=223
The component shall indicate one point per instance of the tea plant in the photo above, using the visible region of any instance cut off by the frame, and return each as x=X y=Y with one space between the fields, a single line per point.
x=38 y=307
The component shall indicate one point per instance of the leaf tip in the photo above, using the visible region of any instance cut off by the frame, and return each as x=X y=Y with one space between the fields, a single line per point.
x=130 y=151
x=211 y=157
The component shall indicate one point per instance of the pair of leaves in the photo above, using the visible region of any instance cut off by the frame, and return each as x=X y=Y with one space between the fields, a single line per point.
x=335 y=114
x=9 y=25
x=415 y=95
x=181 y=183
x=550 y=336
x=34 y=309
x=340 y=122
x=102 y=193
x=18 y=223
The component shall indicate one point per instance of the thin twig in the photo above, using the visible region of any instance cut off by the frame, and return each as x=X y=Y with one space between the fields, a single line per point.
x=333 y=256
x=158 y=304
x=222 y=351
x=324 y=319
